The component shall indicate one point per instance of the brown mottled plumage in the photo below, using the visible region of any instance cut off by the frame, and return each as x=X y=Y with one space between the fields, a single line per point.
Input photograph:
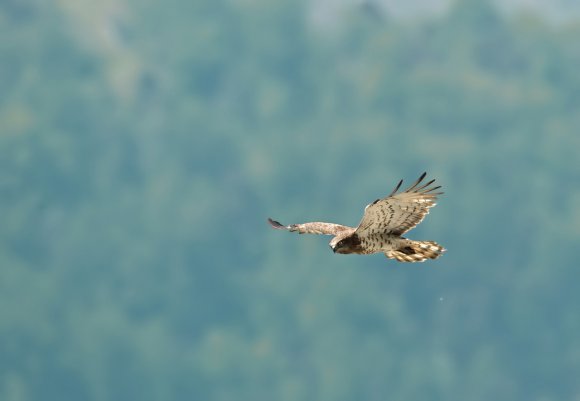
x=382 y=226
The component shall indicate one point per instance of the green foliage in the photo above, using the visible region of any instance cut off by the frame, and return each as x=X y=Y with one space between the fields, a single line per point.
x=143 y=144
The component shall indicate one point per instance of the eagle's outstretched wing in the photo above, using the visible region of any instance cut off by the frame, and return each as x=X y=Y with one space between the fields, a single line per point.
x=312 y=228
x=397 y=213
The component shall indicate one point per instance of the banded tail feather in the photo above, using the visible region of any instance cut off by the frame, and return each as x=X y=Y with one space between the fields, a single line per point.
x=416 y=251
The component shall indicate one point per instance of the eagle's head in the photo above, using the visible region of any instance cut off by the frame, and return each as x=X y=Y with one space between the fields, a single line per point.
x=349 y=244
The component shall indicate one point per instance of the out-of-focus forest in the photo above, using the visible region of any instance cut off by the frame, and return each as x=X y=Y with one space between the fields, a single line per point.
x=143 y=144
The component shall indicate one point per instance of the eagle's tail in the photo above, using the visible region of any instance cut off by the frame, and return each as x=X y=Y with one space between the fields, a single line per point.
x=416 y=251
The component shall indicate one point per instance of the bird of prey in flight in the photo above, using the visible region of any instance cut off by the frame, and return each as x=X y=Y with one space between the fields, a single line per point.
x=382 y=227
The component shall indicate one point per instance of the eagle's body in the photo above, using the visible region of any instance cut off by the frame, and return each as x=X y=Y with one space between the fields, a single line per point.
x=382 y=226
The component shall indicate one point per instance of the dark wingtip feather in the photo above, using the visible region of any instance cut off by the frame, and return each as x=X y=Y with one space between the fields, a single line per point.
x=416 y=182
x=277 y=225
x=433 y=189
x=424 y=186
x=393 y=192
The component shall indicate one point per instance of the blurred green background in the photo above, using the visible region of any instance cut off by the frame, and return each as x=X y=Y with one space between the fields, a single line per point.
x=144 y=143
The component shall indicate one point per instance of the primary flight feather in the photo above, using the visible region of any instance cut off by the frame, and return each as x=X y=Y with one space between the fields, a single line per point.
x=382 y=226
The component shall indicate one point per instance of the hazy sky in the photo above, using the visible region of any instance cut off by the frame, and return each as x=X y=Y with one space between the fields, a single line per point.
x=326 y=11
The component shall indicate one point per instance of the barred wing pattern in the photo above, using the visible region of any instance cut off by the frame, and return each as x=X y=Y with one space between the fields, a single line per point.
x=397 y=213
x=315 y=227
